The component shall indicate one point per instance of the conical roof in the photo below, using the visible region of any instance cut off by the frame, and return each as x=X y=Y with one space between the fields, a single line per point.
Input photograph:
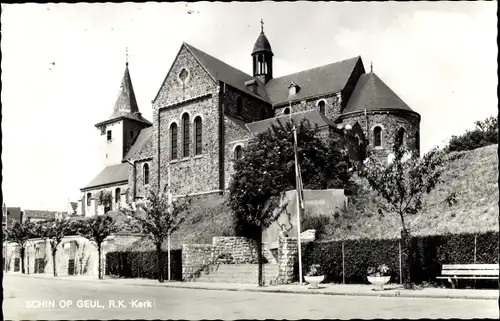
x=371 y=93
x=262 y=44
x=125 y=103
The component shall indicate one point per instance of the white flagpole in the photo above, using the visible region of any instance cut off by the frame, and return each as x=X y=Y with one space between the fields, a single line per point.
x=168 y=237
x=297 y=175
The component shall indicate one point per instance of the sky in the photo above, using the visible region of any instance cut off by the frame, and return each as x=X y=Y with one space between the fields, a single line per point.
x=62 y=65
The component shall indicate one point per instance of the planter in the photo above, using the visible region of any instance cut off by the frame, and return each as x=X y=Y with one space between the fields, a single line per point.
x=379 y=280
x=314 y=281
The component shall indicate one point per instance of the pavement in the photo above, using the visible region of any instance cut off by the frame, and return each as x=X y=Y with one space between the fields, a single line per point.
x=86 y=298
x=390 y=290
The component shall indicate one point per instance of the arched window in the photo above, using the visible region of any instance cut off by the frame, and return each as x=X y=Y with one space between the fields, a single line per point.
x=321 y=105
x=238 y=152
x=145 y=170
x=89 y=199
x=400 y=136
x=198 y=135
x=185 y=135
x=173 y=141
x=377 y=134
x=262 y=113
x=286 y=111
x=239 y=106
x=117 y=195
x=261 y=65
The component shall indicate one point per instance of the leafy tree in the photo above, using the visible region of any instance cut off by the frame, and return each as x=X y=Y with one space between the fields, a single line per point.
x=105 y=198
x=159 y=217
x=54 y=231
x=20 y=233
x=485 y=133
x=268 y=169
x=402 y=184
x=96 y=229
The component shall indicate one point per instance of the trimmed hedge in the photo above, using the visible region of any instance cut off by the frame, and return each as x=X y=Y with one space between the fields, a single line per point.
x=143 y=264
x=429 y=253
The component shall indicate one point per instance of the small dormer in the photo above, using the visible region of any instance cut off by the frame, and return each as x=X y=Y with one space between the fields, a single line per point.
x=293 y=89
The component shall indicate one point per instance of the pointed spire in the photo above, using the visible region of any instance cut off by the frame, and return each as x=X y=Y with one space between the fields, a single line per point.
x=125 y=103
x=371 y=67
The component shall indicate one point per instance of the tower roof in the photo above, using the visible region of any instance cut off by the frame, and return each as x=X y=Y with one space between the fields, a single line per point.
x=125 y=103
x=371 y=93
x=262 y=44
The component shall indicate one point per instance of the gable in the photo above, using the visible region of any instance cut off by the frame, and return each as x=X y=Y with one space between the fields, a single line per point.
x=186 y=79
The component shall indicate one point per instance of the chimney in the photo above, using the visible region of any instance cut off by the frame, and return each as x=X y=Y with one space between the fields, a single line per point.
x=252 y=84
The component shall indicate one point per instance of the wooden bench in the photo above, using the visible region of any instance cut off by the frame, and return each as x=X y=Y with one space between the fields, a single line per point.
x=455 y=272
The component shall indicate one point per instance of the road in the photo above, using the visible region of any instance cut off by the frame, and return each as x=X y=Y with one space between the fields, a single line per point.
x=23 y=294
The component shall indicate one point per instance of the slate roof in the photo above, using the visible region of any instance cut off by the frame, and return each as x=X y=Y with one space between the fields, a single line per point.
x=314 y=117
x=313 y=82
x=262 y=44
x=126 y=104
x=38 y=214
x=371 y=93
x=74 y=206
x=221 y=71
x=142 y=146
x=110 y=174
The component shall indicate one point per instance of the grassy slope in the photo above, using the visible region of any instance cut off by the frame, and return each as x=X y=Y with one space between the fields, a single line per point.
x=208 y=218
x=472 y=175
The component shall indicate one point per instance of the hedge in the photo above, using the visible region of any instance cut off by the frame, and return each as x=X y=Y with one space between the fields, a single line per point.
x=429 y=253
x=142 y=264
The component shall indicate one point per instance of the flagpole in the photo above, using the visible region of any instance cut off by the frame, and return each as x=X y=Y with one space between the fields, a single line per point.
x=170 y=209
x=298 y=190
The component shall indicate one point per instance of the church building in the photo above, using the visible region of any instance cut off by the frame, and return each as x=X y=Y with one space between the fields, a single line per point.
x=206 y=111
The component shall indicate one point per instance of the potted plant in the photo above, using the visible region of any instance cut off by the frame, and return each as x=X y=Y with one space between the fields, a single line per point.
x=379 y=275
x=314 y=277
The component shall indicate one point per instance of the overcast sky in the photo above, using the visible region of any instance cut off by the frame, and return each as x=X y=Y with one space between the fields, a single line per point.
x=62 y=66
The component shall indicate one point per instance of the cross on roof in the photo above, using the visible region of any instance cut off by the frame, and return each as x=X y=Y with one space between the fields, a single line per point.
x=261 y=25
x=126 y=56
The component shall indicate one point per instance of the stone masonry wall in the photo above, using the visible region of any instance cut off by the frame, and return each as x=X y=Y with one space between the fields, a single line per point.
x=332 y=105
x=202 y=258
x=95 y=208
x=390 y=122
x=250 y=109
x=189 y=89
x=287 y=255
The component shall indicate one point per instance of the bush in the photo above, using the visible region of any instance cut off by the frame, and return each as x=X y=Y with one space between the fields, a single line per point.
x=428 y=255
x=142 y=264
x=485 y=133
x=319 y=223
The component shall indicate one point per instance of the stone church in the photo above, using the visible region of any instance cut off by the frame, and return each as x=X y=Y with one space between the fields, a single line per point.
x=206 y=111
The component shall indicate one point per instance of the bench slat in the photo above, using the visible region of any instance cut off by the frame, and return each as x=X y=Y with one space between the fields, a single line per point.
x=468 y=277
x=470 y=272
x=470 y=266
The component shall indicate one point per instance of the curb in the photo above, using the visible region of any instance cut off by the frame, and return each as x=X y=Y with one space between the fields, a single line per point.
x=271 y=290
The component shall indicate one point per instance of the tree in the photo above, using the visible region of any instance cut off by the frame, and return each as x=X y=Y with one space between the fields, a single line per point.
x=96 y=229
x=54 y=231
x=20 y=233
x=402 y=184
x=268 y=169
x=485 y=133
x=105 y=199
x=159 y=217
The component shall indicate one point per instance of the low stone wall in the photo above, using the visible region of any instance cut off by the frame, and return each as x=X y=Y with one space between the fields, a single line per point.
x=196 y=258
x=240 y=273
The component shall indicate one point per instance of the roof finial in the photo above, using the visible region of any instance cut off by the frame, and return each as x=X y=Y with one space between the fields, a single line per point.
x=126 y=56
x=371 y=67
x=261 y=25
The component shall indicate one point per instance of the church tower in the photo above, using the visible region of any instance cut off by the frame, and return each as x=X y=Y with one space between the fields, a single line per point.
x=262 y=57
x=122 y=127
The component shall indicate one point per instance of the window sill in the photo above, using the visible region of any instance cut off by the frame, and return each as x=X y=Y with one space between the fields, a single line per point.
x=378 y=147
x=185 y=159
x=198 y=156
